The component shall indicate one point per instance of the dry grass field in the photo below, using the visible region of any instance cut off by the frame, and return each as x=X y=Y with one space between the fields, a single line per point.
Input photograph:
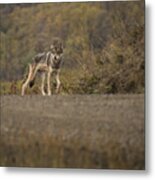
x=73 y=131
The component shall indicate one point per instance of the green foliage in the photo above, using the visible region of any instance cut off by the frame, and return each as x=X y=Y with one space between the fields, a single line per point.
x=104 y=44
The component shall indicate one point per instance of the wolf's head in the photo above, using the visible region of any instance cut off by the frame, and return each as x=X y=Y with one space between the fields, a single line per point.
x=56 y=47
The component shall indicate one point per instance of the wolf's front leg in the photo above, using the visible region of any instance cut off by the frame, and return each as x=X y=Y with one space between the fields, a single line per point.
x=58 y=83
x=43 y=76
x=49 y=82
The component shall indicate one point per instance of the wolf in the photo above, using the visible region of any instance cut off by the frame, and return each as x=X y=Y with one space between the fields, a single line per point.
x=46 y=63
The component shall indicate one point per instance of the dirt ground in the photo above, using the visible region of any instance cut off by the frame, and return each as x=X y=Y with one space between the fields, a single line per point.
x=74 y=131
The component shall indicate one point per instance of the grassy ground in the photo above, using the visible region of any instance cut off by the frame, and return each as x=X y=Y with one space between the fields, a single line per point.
x=77 y=131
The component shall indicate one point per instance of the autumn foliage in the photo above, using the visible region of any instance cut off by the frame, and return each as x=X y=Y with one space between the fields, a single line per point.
x=104 y=44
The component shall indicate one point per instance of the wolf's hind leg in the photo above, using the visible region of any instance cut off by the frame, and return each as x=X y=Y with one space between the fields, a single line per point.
x=27 y=81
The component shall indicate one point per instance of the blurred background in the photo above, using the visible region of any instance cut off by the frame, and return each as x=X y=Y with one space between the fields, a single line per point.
x=103 y=41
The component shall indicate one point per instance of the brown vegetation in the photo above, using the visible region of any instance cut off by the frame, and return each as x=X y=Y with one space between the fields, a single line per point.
x=104 y=54
x=97 y=131
x=104 y=43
